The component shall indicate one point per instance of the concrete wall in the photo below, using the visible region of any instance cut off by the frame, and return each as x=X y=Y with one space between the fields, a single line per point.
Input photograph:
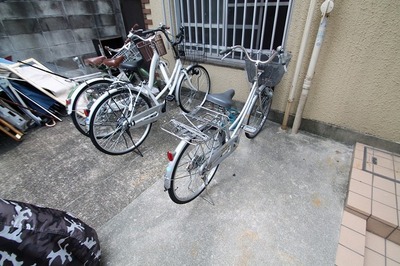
x=356 y=86
x=55 y=31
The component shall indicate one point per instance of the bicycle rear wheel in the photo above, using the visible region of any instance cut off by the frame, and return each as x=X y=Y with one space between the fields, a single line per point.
x=84 y=100
x=110 y=129
x=190 y=175
x=259 y=112
x=193 y=88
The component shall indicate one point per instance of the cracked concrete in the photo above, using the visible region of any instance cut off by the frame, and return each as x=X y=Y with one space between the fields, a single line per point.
x=278 y=200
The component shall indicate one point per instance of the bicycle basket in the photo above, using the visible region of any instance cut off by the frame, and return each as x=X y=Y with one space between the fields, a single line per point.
x=159 y=44
x=129 y=53
x=147 y=51
x=272 y=73
x=192 y=53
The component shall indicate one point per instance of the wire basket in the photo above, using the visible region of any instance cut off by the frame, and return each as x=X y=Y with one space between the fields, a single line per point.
x=131 y=52
x=191 y=126
x=272 y=73
x=192 y=53
x=147 y=51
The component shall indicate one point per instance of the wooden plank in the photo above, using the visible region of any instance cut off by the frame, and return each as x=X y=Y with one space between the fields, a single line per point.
x=10 y=130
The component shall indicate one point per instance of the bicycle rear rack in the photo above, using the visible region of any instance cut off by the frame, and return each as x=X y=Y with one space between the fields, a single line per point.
x=190 y=127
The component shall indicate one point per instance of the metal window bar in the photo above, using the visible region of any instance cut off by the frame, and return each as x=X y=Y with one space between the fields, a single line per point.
x=259 y=25
x=243 y=27
x=225 y=27
x=274 y=28
x=234 y=25
x=288 y=17
x=209 y=25
x=217 y=27
x=253 y=28
x=203 y=31
x=264 y=20
x=190 y=24
x=216 y=41
x=195 y=22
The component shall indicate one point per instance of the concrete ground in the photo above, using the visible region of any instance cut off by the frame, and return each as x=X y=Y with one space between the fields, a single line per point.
x=278 y=200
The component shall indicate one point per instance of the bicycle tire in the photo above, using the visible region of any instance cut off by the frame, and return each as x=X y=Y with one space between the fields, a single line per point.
x=188 y=98
x=83 y=101
x=259 y=112
x=109 y=129
x=187 y=183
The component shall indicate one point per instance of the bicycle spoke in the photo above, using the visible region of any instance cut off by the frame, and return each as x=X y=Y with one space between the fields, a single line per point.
x=111 y=130
x=191 y=174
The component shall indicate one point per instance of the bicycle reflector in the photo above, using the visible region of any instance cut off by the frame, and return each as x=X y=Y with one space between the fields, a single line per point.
x=68 y=101
x=170 y=156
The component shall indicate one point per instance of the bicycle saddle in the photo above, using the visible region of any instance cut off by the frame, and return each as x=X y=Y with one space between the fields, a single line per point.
x=132 y=65
x=113 y=62
x=222 y=99
x=95 y=61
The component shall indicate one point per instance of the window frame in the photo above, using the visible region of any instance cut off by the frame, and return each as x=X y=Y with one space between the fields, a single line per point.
x=193 y=25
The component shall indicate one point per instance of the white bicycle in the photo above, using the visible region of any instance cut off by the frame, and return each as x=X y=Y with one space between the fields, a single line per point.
x=81 y=99
x=121 y=119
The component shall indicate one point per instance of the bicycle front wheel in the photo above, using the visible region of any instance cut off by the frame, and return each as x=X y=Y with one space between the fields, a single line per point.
x=193 y=88
x=190 y=174
x=259 y=112
x=83 y=101
x=111 y=129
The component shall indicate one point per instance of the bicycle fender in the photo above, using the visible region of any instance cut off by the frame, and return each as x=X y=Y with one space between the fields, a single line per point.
x=171 y=165
x=81 y=87
x=180 y=80
x=99 y=100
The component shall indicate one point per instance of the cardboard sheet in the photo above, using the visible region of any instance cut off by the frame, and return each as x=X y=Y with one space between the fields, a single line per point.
x=53 y=86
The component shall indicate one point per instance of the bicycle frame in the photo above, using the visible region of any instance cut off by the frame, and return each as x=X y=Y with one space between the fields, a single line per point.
x=159 y=109
x=232 y=135
x=232 y=140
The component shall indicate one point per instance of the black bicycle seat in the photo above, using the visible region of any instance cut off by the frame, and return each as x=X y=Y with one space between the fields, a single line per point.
x=131 y=65
x=222 y=99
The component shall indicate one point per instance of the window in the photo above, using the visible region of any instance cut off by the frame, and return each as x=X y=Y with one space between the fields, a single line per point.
x=212 y=25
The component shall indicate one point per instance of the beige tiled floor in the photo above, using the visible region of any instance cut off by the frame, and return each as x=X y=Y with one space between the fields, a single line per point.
x=370 y=230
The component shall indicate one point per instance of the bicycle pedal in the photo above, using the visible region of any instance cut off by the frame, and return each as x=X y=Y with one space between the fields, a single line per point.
x=249 y=129
x=170 y=98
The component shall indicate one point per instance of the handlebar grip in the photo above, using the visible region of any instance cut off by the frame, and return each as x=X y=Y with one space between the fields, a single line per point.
x=135 y=27
x=153 y=31
x=145 y=32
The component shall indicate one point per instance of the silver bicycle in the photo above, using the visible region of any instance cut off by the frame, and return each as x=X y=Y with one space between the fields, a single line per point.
x=121 y=119
x=210 y=135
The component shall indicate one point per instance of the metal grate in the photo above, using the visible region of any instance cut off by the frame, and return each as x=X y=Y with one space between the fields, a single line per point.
x=216 y=24
x=375 y=162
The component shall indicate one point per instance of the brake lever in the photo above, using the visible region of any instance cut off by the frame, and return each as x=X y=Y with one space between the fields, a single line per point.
x=226 y=55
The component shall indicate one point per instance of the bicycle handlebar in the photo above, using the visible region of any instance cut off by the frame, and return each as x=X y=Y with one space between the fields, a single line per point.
x=135 y=32
x=239 y=47
x=165 y=30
